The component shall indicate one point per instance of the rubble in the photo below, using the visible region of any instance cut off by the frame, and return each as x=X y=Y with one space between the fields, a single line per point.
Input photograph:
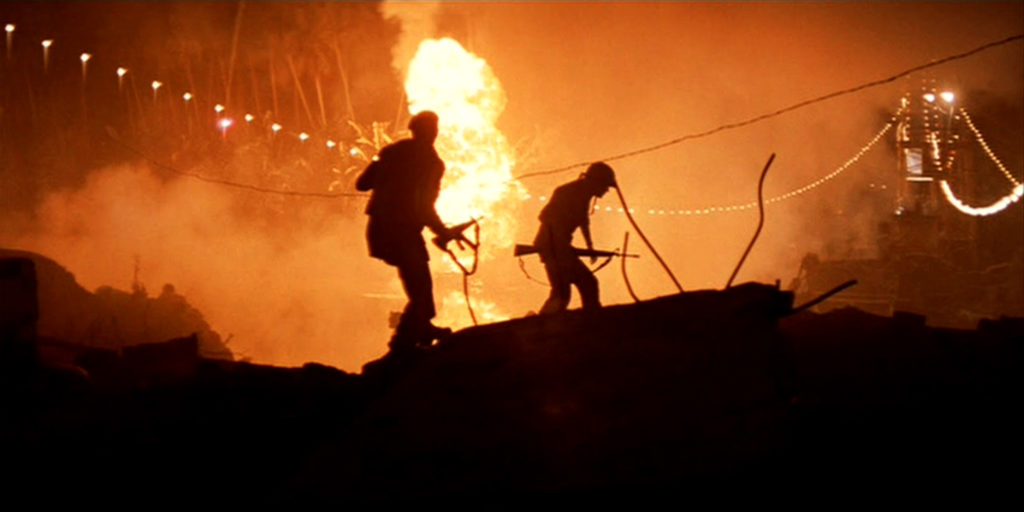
x=631 y=400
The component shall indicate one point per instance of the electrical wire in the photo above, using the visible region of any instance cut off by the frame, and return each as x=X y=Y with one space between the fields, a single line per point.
x=218 y=181
x=625 y=277
x=776 y=113
x=475 y=245
x=643 y=237
x=760 y=220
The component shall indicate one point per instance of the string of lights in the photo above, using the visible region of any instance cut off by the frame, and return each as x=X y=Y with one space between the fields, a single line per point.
x=1000 y=204
x=984 y=211
x=778 y=112
x=225 y=117
x=773 y=199
x=988 y=150
x=225 y=120
x=218 y=181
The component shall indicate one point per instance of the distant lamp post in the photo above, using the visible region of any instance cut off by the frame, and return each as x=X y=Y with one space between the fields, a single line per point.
x=46 y=53
x=9 y=28
x=85 y=63
x=224 y=124
x=947 y=96
x=120 y=77
x=156 y=86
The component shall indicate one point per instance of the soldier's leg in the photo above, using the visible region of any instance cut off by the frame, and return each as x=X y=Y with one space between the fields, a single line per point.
x=586 y=283
x=419 y=288
x=558 y=298
x=414 y=325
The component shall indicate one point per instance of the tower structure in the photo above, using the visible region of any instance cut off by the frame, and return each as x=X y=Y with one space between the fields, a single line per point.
x=928 y=153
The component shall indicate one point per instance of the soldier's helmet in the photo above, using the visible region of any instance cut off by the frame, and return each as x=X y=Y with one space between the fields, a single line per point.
x=423 y=122
x=601 y=174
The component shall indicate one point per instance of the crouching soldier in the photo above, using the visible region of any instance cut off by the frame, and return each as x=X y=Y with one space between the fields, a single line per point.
x=567 y=210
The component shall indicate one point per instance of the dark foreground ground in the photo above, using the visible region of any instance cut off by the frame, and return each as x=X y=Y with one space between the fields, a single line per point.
x=657 y=399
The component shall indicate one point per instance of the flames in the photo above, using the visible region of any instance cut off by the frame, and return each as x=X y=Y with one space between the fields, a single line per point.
x=468 y=99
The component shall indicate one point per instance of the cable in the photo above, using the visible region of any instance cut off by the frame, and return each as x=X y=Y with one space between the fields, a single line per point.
x=779 y=112
x=760 y=220
x=625 y=277
x=522 y=267
x=643 y=237
x=218 y=181
x=475 y=245
x=817 y=300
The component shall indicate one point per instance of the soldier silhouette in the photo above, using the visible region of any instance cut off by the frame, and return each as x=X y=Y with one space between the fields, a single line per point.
x=405 y=180
x=567 y=210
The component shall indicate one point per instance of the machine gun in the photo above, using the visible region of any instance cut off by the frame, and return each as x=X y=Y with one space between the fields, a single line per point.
x=457 y=233
x=523 y=250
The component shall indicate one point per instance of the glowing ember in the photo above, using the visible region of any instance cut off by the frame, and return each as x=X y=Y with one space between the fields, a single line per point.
x=461 y=88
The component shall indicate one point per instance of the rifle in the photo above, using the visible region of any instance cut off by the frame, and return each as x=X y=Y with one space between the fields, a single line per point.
x=523 y=250
x=457 y=234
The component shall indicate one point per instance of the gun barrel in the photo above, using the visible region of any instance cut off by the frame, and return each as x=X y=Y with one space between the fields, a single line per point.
x=524 y=250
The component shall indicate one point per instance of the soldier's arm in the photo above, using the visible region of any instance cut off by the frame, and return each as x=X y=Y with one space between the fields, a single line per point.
x=367 y=179
x=430 y=217
x=433 y=221
x=585 y=228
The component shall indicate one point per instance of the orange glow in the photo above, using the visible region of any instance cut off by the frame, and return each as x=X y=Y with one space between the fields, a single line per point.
x=461 y=88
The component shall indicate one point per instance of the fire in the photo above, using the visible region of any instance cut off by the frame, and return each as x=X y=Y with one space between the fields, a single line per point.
x=461 y=88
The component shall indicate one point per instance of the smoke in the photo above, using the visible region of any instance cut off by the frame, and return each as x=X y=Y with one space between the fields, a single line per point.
x=418 y=21
x=621 y=77
x=289 y=281
x=313 y=296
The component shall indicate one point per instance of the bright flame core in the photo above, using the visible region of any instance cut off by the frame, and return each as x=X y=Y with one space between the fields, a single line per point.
x=468 y=99
x=463 y=91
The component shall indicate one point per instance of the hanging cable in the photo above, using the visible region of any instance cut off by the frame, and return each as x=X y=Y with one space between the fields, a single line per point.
x=522 y=267
x=821 y=298
x=760 y=220
x=475 y=246
x=218 y=181
x=625 y=277
x=779 y=112
x=643 y=237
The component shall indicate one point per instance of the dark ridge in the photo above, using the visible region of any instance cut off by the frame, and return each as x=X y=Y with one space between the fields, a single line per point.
x=690 y=392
